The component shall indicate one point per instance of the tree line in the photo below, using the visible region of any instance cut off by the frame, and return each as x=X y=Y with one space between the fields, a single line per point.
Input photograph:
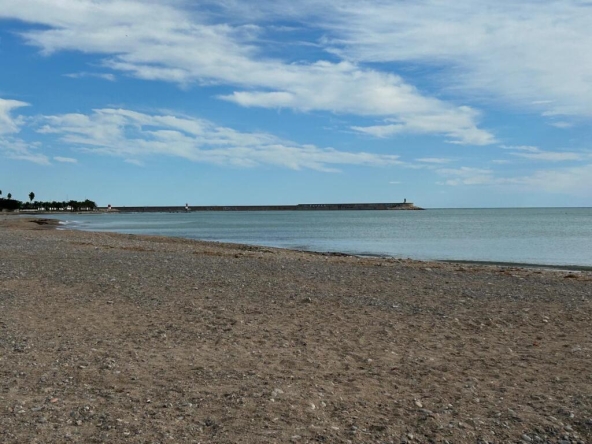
x=11 y=204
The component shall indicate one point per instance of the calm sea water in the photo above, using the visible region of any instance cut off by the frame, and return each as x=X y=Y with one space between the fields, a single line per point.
x=547 y=236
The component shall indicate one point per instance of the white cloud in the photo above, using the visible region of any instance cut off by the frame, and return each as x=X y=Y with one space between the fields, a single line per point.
x=11 y=146
x=467 y=176
x=18 y=149
x=135 y=136
x=527 y=148
x=529 y=53
x=79 y=75
x=550 y=156
x=433 y=160
x=575 y=180
x=65 y=159
x=162 y=41
x=458 y=125
x=570 y=181
x=8 y=123
x=562 y=125
x=535 y=153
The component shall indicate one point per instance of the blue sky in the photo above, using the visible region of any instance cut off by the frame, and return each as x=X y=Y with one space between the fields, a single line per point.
x=475 y=103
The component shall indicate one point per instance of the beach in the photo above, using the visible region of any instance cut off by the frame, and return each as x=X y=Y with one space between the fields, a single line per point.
x=144 y=339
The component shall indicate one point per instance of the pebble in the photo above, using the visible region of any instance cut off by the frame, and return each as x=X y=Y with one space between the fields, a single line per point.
x=277 y=392
x=58 y=381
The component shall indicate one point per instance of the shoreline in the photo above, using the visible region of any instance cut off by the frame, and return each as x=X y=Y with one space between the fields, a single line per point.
x=110 y=337
x=557 y=267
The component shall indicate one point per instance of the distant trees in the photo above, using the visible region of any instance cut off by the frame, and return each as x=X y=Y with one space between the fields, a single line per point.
x=8 y=203
x=71 y=205
x=87 y=205
x=11 y=204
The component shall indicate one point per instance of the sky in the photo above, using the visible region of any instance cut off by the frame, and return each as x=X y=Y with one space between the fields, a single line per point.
x=472 y=103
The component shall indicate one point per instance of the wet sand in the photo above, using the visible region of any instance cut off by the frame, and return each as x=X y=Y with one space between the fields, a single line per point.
x=119 y=338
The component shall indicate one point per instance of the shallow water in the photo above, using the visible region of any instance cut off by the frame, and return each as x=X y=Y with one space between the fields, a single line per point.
x=546 y=236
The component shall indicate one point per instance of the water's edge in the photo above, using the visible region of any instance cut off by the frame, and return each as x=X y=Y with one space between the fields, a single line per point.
x=532 y=238
x=575 y=268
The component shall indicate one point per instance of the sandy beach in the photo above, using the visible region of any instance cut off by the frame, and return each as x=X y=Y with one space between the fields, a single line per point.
x=109 y=338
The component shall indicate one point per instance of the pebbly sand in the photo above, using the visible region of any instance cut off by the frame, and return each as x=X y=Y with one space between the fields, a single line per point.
x=109 y=338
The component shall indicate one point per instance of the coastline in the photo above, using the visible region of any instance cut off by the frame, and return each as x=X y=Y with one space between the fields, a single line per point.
x=559 y=267
x=27 y=222
x=125 y=338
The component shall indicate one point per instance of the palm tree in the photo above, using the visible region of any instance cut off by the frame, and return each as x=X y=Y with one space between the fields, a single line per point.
x=31 y=196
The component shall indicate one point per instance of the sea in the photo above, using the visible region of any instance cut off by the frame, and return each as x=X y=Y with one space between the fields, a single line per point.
x=535 y=236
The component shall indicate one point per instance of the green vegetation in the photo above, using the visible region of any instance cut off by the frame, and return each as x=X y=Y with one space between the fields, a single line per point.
x=10 y=204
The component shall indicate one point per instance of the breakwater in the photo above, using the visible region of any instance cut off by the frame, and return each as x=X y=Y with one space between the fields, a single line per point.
x=299 y=207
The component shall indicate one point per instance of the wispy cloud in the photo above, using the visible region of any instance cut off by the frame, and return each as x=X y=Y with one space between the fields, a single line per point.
x=562 y=125
x=570 y=181
x=575 y=180
x=65 y=159
x=189 y=47
x=135 y=136
x=467 y=176
x=535 y=153
x=79 y=75
x=10 y=124
x=457 y=125
x=433 y=160
x=12 y=146
x=550 y=156
x=18 y=149
x=532 y=54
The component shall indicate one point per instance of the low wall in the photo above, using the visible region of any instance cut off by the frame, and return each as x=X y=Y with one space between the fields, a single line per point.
x=300 y=207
